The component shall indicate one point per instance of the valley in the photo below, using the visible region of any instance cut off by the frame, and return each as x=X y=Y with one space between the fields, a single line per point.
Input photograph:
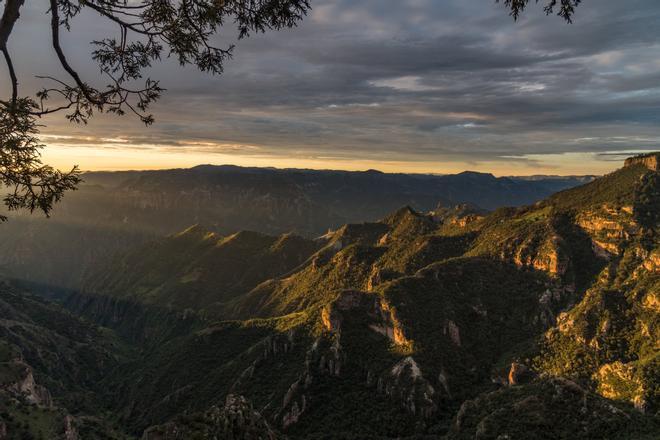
x=335 y=305
x=113 y=211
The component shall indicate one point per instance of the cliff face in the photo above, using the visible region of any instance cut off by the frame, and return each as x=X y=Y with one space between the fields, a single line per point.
x=609 y=227
x=650 y=161
x=374 y=307
x=609 y=338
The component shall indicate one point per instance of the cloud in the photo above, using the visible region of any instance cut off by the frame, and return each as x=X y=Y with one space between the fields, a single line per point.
x=414 y=80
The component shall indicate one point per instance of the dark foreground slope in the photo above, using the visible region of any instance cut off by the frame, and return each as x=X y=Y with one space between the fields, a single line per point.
x=113 y=211
x=532 y=322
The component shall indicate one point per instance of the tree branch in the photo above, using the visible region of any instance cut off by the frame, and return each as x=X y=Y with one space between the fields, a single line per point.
x=12 y=76
x=9 y=16
x=55 y=31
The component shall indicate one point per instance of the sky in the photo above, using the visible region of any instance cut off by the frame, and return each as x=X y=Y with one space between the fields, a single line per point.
x=432 y=86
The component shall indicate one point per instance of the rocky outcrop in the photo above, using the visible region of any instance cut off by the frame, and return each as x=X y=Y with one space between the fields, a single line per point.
x=463 y=222
x=651 y=301
x=459 y=215
x=388 y=324
x=406 y=383
x=609 y=227
x=236 y=420
x=34 y=393
x=293 y=414
x=280 y=344
x=324 y=357
x=551 y=301
x=403 y=382
x=650 y=161
x=519 y=374
x=379 y=276
x=25 y=386
x=70 y=432
x=549 y=258
x=547 y=255
x=652 y=262
x=454 y=333
x=619 y=381
x=382 y=314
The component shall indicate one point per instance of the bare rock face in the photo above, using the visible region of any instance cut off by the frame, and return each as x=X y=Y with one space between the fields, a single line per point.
x=379 y=276
x=620 y=381
x=331 y=315
x=35 y=393
x=609 y=227
x=650 y=161
x=406 y=382
x=652 y=261
x=293 y=415
x=383 y=316
x=388 y=324
x=547 y=256
x=454 y=332
x=551 y=259
x=26 y=386
x=651 y=302
x=519 y=374
x=70 y=432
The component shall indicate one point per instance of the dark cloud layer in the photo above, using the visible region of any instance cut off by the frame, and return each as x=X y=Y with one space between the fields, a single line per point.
x=413 y=80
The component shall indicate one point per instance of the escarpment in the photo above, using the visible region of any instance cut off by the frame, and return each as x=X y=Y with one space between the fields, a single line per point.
x=375 y=308
x=650 y=161
x=610 y=228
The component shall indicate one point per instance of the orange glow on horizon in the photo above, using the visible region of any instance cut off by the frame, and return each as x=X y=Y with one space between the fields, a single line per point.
x=118 y=157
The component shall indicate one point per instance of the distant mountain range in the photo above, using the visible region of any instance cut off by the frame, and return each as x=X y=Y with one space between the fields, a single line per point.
x=114 y=210
x=227 y=199
x=540 y=321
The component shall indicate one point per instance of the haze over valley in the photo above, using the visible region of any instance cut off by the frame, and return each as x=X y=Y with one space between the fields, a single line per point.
x=113 y=211
x=432 y=319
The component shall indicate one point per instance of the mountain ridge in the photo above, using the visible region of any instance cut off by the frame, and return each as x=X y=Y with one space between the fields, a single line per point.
x=120 y=209
x=539 y=320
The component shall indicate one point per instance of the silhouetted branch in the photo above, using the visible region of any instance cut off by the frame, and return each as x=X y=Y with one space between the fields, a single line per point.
x=565 y=11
